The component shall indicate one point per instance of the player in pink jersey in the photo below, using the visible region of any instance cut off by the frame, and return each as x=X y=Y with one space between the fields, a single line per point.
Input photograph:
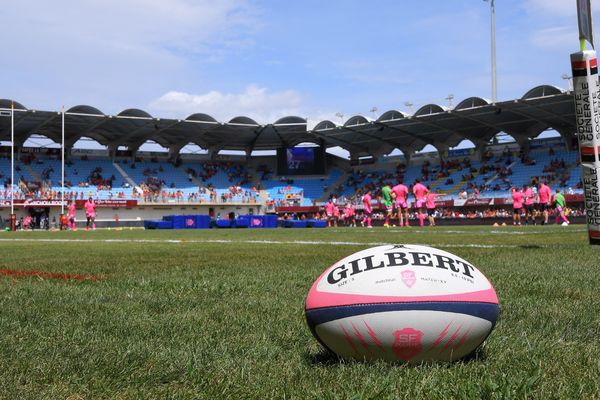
x=90 y=214
x=544 y=198
x=350 y=214
x=517 y=197
x=329 y=211
x=368 y=209
x=71 y=216
x=420 y=192
x=401 y=205
x=430 y=204
x=529 y=199
x=336 y=215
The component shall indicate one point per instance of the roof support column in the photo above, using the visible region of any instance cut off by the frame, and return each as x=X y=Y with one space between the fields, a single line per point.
x=212 y=153
x=248 y=156
x=112 y=151
x=480 y=147
x=523 y=142
x=567 y=138
x=442 y=151
x=174 y=152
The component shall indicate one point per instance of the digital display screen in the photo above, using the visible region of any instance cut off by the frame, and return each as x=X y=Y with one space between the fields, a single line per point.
x=301 y=161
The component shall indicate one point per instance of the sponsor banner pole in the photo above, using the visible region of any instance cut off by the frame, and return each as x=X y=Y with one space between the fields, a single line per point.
x=62 y=163
x=12 y=166
x=587 y=114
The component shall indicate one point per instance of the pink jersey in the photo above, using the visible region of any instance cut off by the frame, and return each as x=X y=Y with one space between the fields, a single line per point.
x=72 y=210
x=336 y=211
x=544 y=194
x=367 y=203
x=90 y=208
x=529 y=197
x=329 y=206
x=430 y=200
x=517 y=199
x=420 y=191
x=349 y=211
x=401 y=193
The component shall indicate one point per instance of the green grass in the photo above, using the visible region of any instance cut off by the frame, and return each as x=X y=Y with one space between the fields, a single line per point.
x=219 y=314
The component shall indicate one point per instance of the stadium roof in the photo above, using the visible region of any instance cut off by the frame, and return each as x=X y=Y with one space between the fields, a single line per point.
x=476 y=119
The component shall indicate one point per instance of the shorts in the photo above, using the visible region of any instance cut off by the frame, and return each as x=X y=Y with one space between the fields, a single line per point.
x=517 y=211
x=530 y=208
x=559 y=209
x=90 y=216
x=368 y=212
x=401 y=205
x=420 y=203
x=430 y=211
x=543 y=207
x=389 y=207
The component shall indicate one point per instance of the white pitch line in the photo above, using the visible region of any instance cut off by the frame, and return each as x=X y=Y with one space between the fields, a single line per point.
x=288 y=242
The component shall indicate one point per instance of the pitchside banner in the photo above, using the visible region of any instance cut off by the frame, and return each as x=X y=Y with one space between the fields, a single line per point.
x=587 y=113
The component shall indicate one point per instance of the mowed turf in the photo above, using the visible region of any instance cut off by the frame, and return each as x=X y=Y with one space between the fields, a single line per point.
x=220 y=314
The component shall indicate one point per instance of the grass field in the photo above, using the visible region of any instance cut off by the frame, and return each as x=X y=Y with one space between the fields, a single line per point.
x=219 y=314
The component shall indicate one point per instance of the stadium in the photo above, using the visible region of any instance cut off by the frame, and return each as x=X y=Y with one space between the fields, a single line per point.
x=138 y=186
x=190 y=280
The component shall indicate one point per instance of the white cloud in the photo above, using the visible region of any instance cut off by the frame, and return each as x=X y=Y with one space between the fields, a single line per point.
x=116 y=51
x=258 y=103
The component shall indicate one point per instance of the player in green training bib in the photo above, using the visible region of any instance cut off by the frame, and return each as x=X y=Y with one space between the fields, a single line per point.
x=560 y=203
x=388 y=202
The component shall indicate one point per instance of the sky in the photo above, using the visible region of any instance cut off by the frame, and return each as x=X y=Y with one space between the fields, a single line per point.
x=266 y=58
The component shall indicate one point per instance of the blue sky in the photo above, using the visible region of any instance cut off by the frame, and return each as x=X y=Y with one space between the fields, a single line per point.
x=266 y=58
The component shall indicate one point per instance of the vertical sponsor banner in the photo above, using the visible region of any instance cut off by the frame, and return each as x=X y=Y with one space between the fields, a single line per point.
x=587 y=113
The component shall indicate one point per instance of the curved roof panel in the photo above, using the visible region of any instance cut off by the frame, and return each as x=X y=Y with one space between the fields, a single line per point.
x=243 y=120
x=472 y=102
x=7 y=103
x=290 y=120
x=474 y=118
x=430 y=109
x=200 y=117
x=542 y=91
x=83 y=109
x=134 y=112
x=390 y=115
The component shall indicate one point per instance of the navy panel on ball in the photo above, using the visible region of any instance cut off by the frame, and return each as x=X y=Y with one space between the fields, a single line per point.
x=487 y=311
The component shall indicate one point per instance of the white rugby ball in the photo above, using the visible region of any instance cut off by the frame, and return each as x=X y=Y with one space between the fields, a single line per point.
x=404 y=303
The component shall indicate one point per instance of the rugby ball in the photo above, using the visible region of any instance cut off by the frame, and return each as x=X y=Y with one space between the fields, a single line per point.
x=403 y=303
